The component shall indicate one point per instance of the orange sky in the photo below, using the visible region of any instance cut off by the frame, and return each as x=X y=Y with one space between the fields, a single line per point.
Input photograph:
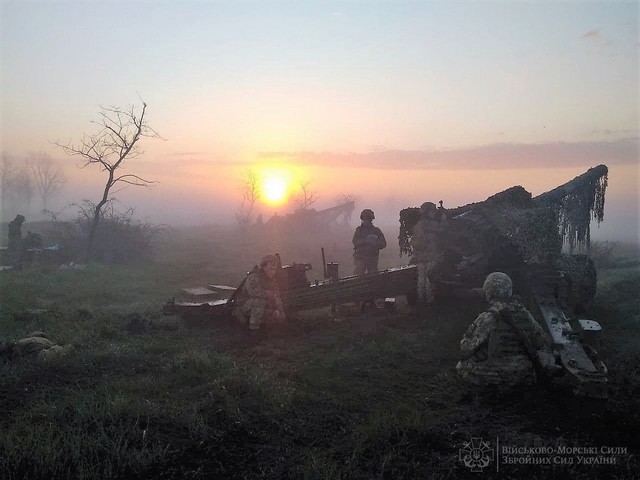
x=204 y=193
x=396 y=103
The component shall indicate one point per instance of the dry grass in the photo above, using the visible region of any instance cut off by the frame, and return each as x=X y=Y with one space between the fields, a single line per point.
x=370 y=397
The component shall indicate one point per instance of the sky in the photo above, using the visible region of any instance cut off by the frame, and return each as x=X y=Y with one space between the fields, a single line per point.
x=393 y=102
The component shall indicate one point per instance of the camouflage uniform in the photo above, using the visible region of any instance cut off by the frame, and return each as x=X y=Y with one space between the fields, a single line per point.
x=494 y=352
x=427 y=253
x=367 y=241
x=259 y=299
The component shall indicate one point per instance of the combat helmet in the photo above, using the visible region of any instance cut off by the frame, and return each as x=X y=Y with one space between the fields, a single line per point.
x=497 y=285
x=367 y=213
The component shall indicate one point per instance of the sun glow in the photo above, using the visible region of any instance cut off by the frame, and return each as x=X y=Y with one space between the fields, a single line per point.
x=275 y=183
x=274 y=190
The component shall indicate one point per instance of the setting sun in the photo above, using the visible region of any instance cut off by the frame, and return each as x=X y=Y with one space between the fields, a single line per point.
x=275 y=183
x=275 y=190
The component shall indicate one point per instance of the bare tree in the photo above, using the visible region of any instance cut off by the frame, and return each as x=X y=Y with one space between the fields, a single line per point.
x=16 y=187
x=48 y=178
x=343 y=198
x=250 y=195
x=305 y=198
x=24 y=189
x=119 y=132
x=7 y=180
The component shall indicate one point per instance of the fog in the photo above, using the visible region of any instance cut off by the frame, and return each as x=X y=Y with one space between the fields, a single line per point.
x=190 y=200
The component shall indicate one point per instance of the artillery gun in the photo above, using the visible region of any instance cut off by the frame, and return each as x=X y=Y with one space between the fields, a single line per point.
x=511 y=232
x=305 y=219
x=524 y=236
x=298 y=293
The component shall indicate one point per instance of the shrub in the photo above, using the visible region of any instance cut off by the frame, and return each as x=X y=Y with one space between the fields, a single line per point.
x=120 y=238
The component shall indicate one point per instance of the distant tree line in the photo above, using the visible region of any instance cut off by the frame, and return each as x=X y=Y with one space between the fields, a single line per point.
x=99 y=231
x=28 y=183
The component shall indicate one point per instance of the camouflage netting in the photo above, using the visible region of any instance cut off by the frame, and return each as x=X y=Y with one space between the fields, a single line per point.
x=578 y=206
x=534 y=230
x=509 y=214
x=408 y=218
x=538 y=226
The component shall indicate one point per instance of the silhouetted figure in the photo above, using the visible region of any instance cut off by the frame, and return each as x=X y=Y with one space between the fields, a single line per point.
x=368 y=240
x=427 y=251
x=15 y=247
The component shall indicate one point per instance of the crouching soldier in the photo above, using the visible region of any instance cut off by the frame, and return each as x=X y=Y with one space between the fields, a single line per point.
x=259 y=297
x=502 y=347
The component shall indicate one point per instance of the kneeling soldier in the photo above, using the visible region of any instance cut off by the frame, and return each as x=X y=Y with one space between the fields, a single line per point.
x=259 y=297
x=501 y=346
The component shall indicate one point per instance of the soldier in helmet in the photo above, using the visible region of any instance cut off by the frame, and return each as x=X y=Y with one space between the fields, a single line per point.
x=259 y=296
x=368 y=240
x=504 y=343
x=427 y=252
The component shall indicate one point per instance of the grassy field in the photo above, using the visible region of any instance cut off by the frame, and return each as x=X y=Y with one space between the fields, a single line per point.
x=372 y=396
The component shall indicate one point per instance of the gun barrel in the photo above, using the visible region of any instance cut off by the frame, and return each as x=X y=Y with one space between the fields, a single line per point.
x=590 y=176
x=355 y=288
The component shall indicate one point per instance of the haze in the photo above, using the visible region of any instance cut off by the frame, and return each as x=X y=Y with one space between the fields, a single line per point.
x=395 y=103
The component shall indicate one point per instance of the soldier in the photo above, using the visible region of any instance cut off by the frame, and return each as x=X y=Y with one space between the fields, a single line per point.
x=427 y=253
x=442 y=212
x=259 y=296
x=15 y=246
x=368 y=240
x=501 y=347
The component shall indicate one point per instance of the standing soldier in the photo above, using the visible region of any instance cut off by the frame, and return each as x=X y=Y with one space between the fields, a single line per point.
x=368 y=240
x=15 y=246
x=442 y=212
x=427 y=252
